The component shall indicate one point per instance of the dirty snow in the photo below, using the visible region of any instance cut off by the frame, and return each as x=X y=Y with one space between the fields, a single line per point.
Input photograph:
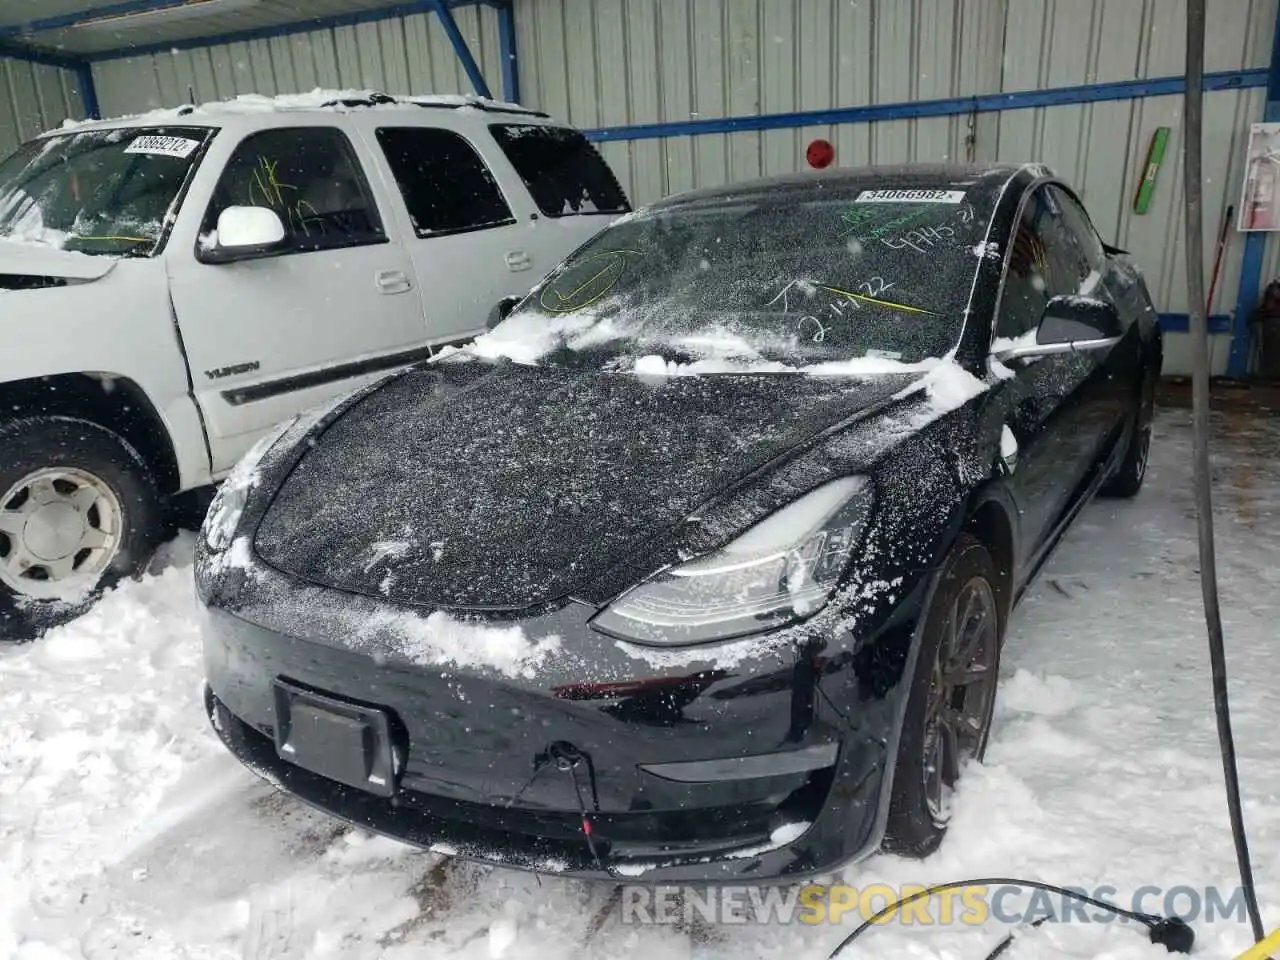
x=127 y=831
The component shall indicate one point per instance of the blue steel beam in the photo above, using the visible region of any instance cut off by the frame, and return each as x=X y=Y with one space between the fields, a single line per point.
x=1255 y=243
x=507 y=50
x=61 y=22
x=461 y=49
x=126 y=7
x=21 y=51
x=953 y=106
x=88 y=91
x=402 y=9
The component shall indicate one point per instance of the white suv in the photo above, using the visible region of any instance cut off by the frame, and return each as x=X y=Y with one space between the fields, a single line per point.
x=173 y=285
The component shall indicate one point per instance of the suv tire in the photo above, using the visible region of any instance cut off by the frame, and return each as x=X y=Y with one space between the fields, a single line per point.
x=79 y=510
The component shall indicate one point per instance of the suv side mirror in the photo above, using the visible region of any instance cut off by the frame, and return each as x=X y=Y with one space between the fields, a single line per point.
x=245 y=233
x=1070 y=324
x=500 y=311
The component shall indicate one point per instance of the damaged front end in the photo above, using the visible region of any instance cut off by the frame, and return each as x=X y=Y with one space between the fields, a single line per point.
x=547 y=738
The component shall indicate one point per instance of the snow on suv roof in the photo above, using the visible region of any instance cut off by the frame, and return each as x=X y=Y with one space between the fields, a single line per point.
x=318 y=99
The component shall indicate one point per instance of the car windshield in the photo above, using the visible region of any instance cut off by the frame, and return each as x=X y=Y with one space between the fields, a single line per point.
x=99 y=192
x=773 y=280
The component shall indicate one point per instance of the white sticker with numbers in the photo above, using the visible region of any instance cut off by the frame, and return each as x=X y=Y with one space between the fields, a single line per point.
x=910 y=196
x=158 y=146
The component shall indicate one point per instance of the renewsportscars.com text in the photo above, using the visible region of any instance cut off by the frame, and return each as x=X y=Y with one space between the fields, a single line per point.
x=974 y=905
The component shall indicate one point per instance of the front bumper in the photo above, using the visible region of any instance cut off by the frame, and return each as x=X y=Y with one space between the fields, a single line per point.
x=663 y=790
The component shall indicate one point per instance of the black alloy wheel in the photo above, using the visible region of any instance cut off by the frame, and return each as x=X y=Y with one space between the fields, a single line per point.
x=952 y=698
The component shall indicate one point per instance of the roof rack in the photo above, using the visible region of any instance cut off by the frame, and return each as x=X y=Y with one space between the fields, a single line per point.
x=372 y=100
x=489 y=106
x=382 y=99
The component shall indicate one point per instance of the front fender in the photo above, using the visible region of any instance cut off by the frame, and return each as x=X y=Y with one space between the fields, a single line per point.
x=120 y=325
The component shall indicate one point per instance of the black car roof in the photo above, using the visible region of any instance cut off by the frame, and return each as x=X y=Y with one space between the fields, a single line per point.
x=914 y=176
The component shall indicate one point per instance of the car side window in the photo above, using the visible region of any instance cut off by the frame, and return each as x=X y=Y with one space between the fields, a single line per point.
x=445 y=183
x=1045 y=261
x=310 y=177
x=1081 y=229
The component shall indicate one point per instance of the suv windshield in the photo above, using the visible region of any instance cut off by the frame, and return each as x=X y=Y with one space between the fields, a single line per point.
x=774 y=280
x=101 y=191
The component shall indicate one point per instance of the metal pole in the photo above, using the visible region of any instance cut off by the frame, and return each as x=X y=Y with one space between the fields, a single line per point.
x=1194 y=113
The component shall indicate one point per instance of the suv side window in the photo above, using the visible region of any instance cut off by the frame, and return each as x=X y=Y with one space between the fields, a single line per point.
x=1045 y=262
x=445 y=183
x=563 y=171
x=311 y=178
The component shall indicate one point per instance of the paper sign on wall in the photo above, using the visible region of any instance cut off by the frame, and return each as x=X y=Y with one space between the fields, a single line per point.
x=1260 y=200
x=158 y=146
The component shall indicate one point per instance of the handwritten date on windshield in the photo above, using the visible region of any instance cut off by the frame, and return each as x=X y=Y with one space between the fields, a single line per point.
x=802 y=293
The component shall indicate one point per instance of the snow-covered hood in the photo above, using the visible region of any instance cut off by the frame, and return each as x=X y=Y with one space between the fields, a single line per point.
x=39 y=260
x=475 y=486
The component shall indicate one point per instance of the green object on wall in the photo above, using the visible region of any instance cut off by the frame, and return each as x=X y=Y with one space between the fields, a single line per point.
x=1155 y=156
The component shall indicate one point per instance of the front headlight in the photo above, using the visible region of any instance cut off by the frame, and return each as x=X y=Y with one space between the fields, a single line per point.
x=779 y=571
x=228 y=504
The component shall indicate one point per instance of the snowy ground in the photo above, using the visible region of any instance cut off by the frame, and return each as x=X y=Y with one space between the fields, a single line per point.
x=126 y=831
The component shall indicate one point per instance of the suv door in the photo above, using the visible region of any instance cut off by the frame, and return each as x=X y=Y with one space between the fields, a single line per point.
x=466 y=247
x=1056 y=399
x=334 y=308
x=575 y=191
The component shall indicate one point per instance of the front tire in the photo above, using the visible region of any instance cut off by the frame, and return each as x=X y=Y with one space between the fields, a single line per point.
x=79 y=510
x=951 y=701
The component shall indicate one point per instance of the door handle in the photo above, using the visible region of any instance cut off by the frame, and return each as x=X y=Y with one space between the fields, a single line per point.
x=392 y=281
x=518 y=260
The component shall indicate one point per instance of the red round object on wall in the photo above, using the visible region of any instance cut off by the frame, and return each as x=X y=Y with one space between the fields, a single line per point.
x=820 y=154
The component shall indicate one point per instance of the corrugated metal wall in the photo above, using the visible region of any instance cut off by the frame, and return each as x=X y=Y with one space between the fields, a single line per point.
x=620 y=62
x=404 y=54
x=33 y=98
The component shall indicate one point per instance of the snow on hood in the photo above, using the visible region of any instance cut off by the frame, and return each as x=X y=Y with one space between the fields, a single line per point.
x=41 y=260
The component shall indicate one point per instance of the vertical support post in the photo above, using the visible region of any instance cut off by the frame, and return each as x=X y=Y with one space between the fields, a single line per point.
x=461 y=49
x=88 y=91
x=1255 y=243
x=507 y=49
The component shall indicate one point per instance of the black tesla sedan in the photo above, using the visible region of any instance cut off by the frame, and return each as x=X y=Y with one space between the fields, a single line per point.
x=696 y=567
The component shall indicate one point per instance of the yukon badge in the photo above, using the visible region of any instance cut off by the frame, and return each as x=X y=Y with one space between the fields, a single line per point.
x=232 y=370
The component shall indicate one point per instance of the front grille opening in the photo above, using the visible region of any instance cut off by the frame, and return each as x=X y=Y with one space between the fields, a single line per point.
x=692 y=832
x=22 y=281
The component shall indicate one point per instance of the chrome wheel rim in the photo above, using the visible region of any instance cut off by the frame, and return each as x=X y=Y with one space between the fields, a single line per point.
x=60 y=528
x=961 y=693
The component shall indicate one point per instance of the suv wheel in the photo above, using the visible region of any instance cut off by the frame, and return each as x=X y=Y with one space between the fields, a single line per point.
x=79 y=510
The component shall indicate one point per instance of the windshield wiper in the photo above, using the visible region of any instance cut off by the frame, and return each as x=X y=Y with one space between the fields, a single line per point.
x=131 y=251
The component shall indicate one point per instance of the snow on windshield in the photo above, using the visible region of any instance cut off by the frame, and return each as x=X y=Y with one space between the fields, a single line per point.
x=826 y=284
x=97 y=192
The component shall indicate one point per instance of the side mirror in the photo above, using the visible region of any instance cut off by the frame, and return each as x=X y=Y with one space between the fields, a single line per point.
x=244 y=233
x=1070 y=324
x=501 y=310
